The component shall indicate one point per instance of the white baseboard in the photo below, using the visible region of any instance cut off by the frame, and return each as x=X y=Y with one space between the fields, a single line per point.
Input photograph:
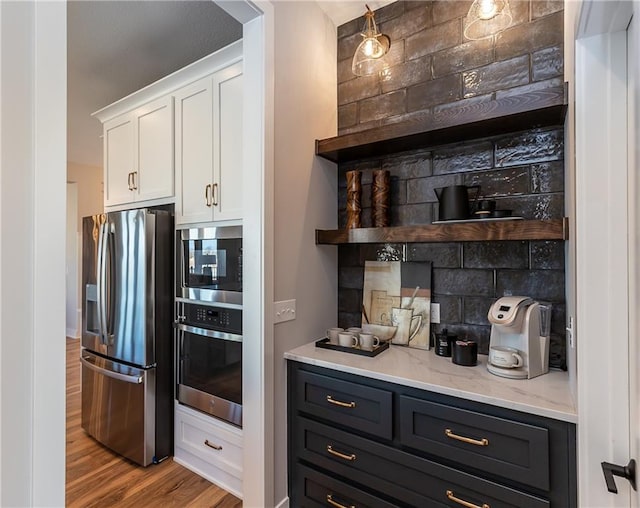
x=284 y=503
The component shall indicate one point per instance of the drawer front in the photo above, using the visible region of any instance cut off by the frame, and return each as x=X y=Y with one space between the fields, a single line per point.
x=313 y=489
x=210 y=441
x=503 y=447
x=402 y=476
x=359 y=407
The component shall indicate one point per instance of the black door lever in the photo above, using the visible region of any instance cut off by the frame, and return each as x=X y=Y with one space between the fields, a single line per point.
x=611 y=470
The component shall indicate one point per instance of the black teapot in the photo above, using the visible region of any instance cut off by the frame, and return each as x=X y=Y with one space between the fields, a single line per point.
x=454 y=201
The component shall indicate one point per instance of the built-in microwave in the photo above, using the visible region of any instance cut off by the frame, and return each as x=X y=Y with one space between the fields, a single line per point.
x=209 y=264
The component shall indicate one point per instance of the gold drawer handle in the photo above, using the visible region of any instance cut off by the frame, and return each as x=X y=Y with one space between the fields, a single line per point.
x=455 y=499
x=478 y=442
x=351 y=457
x=339 y=403
x=211 y=445
x=337 y=505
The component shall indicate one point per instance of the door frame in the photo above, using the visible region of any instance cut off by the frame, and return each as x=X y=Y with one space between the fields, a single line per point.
x=601 y=272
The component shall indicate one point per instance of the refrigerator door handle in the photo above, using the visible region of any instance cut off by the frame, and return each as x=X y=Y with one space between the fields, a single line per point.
x=136 y=380
x=109 y=284
x=101 y=283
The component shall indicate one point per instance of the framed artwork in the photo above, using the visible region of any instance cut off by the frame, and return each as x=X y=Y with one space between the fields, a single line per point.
x=398 y=294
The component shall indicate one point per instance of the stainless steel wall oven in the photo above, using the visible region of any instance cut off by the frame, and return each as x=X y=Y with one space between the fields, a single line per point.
x=209 y=264
x=209 y=359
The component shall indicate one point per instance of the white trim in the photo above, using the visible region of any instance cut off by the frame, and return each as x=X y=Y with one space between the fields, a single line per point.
x=601 y=260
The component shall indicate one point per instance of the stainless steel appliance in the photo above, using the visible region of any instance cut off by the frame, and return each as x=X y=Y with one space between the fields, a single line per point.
x=127 y=354
x=209 y=264
x=209 y=354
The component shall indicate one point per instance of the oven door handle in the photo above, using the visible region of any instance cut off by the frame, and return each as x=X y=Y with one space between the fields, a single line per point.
x=213 y=334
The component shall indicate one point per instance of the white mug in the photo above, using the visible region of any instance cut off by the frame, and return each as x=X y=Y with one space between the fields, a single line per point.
x=505 y=357
x=332 y=333
x=347 y=339
x=368 y=341
x=355 y=330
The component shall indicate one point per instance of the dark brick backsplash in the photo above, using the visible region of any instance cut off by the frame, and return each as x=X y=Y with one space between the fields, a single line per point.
x=463 y=157
x=547 y=63
x=491 y=255
x=432 y=67
x=496 y=76
x=530 y=37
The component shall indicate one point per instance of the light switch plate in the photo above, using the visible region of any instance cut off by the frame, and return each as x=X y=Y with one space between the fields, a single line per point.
x=435 y=313
x=284 y=311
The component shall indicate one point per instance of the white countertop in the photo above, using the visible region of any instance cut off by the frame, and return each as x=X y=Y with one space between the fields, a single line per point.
x=546 y=395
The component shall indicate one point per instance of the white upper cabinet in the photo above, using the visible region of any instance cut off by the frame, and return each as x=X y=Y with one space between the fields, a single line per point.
x=138 y=154
x=208 y=136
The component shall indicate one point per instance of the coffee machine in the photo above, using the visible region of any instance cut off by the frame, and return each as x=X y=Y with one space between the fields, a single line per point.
x=519 y=344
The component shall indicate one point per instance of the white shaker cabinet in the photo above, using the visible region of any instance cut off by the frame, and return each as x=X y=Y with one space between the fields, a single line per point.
x=208 y=142
x=138 y=154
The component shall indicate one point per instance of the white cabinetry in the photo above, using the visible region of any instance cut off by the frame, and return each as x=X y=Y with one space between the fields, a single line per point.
x=208 y=134
x=138 y=154
x=209 y=447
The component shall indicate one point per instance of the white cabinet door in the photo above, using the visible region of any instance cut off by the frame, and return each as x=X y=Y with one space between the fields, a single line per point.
x=138 y=154
x=118 y=160
x=153 y=177
x=227 y=135
x=194 y=152
x=208 y=137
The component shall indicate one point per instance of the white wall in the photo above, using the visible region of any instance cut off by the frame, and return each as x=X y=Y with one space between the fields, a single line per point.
x=86 y=198
x=32 y=222
x=305 y=192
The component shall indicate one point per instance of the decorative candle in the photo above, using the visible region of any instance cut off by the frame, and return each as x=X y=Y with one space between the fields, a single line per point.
x=354 y=194
x=380 y=188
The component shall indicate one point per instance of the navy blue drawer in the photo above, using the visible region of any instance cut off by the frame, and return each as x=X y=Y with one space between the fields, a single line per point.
x=313 y=489
x=506 y=448
x=360 y=407
x=412 y=480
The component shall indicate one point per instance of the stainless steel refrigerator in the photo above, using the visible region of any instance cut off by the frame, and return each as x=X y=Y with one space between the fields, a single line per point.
x=127 y=345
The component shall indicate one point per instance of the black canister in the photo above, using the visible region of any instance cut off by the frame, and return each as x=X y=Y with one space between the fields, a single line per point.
x=464 y=352
x=443 y=343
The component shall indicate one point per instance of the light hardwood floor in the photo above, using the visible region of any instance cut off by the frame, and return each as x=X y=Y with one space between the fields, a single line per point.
x=97 y=477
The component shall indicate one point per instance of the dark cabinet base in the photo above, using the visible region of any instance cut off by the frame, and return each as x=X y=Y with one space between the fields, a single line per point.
x=392 y=445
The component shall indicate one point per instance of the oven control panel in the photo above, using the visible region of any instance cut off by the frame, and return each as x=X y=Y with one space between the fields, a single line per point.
x=214 y=318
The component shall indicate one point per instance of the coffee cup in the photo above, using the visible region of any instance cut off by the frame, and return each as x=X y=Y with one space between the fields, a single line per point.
x=408 y=325
x=332 y=333
x=347 y=339
x=505 y=357
x=355 y=330
x=368 y=341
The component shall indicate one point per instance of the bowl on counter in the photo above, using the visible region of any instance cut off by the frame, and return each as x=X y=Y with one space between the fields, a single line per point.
x=383 y=332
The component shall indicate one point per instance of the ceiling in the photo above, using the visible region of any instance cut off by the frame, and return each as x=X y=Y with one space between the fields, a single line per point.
x=117 y=47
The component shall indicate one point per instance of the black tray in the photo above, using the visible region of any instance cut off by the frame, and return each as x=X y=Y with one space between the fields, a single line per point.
x=325 y=344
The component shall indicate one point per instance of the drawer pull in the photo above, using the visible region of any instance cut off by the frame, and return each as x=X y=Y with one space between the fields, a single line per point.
x=211 y=445
x=331 y=400
x=337 y=505
x=478 y=442
x=351 y=457
x=455 y=499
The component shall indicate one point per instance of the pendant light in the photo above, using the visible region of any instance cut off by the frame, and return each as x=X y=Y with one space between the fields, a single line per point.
x=368 y=58
x=487 y=18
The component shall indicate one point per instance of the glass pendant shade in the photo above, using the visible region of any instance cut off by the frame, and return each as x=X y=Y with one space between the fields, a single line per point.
x=487 y=18
x=368 y=58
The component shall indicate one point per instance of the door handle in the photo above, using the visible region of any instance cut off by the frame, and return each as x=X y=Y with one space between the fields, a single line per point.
x=207 y=194
x=610 y=470
x=214 y=195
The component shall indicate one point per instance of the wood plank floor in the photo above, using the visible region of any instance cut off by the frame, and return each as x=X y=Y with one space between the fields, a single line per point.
x=97 y=477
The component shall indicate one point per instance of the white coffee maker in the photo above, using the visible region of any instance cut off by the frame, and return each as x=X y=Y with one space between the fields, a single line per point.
x=519 y=345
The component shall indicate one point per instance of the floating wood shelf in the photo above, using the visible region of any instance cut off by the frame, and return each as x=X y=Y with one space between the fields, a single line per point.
x=556 y=229
x=537 y=108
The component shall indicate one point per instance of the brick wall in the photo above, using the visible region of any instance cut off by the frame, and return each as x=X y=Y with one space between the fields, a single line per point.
x=432 y=67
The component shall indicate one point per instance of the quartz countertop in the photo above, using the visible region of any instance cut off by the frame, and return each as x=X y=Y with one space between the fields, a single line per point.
x=547 y=395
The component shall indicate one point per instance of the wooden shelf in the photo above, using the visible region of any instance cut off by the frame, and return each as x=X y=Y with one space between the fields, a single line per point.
x=538 y=108
x=556 y=229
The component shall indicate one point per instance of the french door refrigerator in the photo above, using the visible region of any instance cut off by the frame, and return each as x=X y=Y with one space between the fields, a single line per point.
x=127 y=330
